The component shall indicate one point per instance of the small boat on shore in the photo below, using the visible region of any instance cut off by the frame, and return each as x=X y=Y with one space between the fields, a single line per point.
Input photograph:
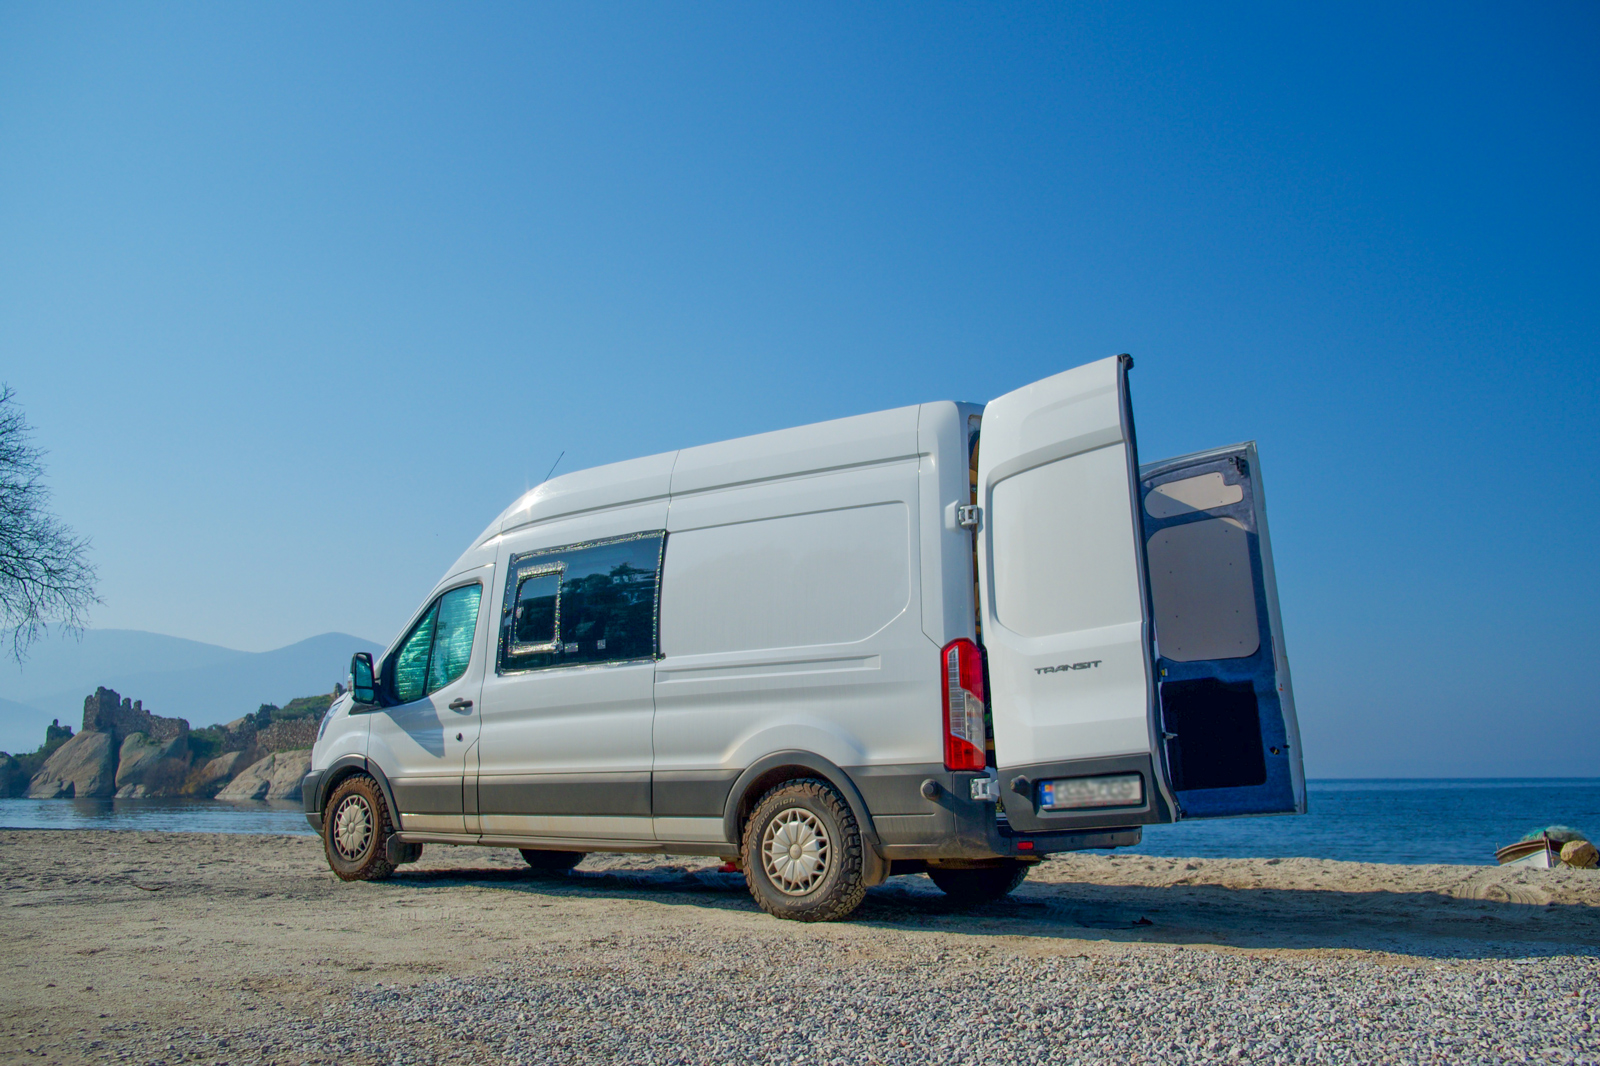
x=1540 y=853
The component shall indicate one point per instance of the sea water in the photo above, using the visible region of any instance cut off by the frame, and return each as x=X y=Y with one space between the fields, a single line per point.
x=1445 y=821
x=1460 y=822
x=154 y=815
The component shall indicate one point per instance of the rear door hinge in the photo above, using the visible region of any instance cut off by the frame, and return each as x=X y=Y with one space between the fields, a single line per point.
x=969 y=516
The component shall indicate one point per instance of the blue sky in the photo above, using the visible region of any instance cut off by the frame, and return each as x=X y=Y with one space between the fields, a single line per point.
x=299 y=298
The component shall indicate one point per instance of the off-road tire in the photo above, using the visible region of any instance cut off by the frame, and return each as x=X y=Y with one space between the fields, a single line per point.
x=356 y=849
x=551 y=863
x=983 y=885
x=833 y=886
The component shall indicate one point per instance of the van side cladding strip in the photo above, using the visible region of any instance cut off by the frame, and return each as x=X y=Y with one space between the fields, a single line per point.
x=600 y=794
x=691 y=793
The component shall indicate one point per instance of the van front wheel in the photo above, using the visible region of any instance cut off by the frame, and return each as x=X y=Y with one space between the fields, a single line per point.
x=802 y=853
x=983 y=885
x=355 y=830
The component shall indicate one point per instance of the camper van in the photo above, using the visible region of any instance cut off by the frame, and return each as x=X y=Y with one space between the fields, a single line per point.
x=949 y=639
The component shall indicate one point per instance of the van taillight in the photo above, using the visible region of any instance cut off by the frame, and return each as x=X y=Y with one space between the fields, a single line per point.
x=963 y=706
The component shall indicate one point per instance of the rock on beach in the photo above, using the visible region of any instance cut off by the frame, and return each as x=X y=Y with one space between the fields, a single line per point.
x=85 y=767
x=149 y=766
x=214 y=774
x=277 y=777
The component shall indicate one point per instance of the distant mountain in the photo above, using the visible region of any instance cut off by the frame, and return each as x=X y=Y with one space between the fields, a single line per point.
x=174 y=677
x=22 y=722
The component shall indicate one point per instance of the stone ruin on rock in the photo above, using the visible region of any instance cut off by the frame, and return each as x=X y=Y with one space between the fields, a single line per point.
x=115 y=732
x=102 y=713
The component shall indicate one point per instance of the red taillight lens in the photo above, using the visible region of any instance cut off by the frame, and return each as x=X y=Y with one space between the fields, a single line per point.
x=964 y=738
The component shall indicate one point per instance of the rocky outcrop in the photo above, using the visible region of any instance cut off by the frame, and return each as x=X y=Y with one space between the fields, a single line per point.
x=208 y=779
x=291 y=735
x=16 y=771
x=277 y=777
x=13 y=776
x=84 y=767
x=264 y=733
x=147 y=766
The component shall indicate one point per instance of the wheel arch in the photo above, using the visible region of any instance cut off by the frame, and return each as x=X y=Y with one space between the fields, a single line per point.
x=772 y=770
x=347 y=767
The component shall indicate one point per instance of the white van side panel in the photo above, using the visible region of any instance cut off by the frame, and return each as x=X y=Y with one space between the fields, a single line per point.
x=835 y=576
x=791 y=615
x=566 y=751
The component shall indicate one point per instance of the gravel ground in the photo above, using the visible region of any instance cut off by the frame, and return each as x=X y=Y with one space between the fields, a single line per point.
x=183 y=948
x=788 y=1003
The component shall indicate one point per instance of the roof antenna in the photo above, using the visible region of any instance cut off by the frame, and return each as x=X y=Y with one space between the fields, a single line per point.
x=554 y=465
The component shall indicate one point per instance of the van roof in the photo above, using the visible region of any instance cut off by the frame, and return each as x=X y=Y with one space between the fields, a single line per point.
x=796 y=452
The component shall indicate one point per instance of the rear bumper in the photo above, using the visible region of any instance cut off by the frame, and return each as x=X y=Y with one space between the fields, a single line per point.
x=952 y=825
x=1019 y=792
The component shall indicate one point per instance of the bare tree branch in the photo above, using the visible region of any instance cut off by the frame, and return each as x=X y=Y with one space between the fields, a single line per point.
x=45 y=576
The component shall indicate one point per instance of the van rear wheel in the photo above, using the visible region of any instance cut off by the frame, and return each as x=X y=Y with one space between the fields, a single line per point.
x=802 y=853
x=984 y=885
x=355 y=830
x=551 y=862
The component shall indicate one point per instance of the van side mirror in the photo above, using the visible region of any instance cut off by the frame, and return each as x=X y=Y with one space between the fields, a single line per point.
x=362 y=687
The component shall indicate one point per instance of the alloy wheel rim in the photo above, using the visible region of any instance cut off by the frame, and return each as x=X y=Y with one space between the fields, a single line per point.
x=352 y=828
x=795 y=851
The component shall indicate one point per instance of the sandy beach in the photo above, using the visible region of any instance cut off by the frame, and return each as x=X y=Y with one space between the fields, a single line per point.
x=141 y=947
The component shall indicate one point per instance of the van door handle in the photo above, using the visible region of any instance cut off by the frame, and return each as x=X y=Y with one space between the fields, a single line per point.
x=461 y=705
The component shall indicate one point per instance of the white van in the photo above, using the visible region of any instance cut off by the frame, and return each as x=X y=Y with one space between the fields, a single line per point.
x=835 y=653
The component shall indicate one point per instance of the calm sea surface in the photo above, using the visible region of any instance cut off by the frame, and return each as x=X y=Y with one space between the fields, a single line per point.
x=1460 y=822
x=1437 y=820
x=164 y=815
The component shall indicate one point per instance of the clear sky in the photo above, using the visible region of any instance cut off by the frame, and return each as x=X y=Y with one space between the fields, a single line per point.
x=299 y=297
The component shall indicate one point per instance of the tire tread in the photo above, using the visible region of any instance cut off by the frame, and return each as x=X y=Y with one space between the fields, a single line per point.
x=849 y=885
x=377 y=866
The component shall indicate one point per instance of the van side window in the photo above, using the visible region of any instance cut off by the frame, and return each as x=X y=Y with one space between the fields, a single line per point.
x=439 y=646
x=411 y=662
x=581 y=604
x=452 y=635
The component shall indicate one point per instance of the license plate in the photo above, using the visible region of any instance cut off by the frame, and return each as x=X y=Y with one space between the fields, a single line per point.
x=1080 y=793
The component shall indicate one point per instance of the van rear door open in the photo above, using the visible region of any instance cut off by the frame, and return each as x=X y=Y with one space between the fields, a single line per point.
x=1073 y=615
x=1227 y=708
x=1061 y=589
